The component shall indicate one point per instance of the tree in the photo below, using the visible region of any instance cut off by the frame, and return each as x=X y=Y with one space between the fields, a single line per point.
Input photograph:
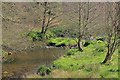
x=113 y=25
x=84 y=21
x=118 y=30
x=49 y=16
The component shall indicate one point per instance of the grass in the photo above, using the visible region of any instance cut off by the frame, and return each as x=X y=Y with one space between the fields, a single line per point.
x=76 y=64
x=88 y=62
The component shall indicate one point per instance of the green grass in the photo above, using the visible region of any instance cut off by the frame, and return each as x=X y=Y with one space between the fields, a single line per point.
x=89 y=61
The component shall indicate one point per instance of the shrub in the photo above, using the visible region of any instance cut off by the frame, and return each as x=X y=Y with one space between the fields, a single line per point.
x=49 y=35
x=58 y=32
x=43 y=70
x=62 y=32
x=34 y=35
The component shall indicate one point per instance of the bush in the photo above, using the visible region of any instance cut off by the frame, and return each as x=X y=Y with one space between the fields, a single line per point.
x=43 y=70
x=62 y=32
x=49 y=35
x=34 y=35
x=58 y=32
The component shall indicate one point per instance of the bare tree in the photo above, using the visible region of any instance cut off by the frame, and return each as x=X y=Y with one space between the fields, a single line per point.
x=82 y=19
x=113 y=25
x=85 y=20
x=49 y=16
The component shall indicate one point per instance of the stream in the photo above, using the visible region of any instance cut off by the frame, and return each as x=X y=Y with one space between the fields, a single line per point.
x=27 y=62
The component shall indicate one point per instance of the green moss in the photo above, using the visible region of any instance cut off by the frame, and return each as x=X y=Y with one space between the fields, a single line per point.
x=60 y=41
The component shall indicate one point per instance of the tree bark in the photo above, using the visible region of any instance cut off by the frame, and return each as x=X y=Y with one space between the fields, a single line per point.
x=80 y=47
x=44 y=18
x=108 y=57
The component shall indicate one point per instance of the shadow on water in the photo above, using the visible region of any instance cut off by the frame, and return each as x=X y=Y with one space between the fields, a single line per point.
x=28 y=61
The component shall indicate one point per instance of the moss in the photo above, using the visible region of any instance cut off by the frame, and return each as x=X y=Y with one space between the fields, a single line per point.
x=61 y=41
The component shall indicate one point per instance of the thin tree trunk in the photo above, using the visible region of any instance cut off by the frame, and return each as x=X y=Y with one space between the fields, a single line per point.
x=47 y=24
x=44 y=18
x=80 y=36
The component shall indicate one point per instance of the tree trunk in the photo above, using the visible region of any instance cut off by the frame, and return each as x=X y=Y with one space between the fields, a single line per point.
x=44 y=18
x=80 y=47
x=108 y=57
x=42 y=31
x=118 y=13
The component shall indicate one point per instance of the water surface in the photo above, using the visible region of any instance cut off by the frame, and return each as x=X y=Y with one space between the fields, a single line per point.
x=29 y=61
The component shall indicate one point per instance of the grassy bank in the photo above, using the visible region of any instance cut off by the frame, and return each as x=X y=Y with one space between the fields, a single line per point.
x=86 y=64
